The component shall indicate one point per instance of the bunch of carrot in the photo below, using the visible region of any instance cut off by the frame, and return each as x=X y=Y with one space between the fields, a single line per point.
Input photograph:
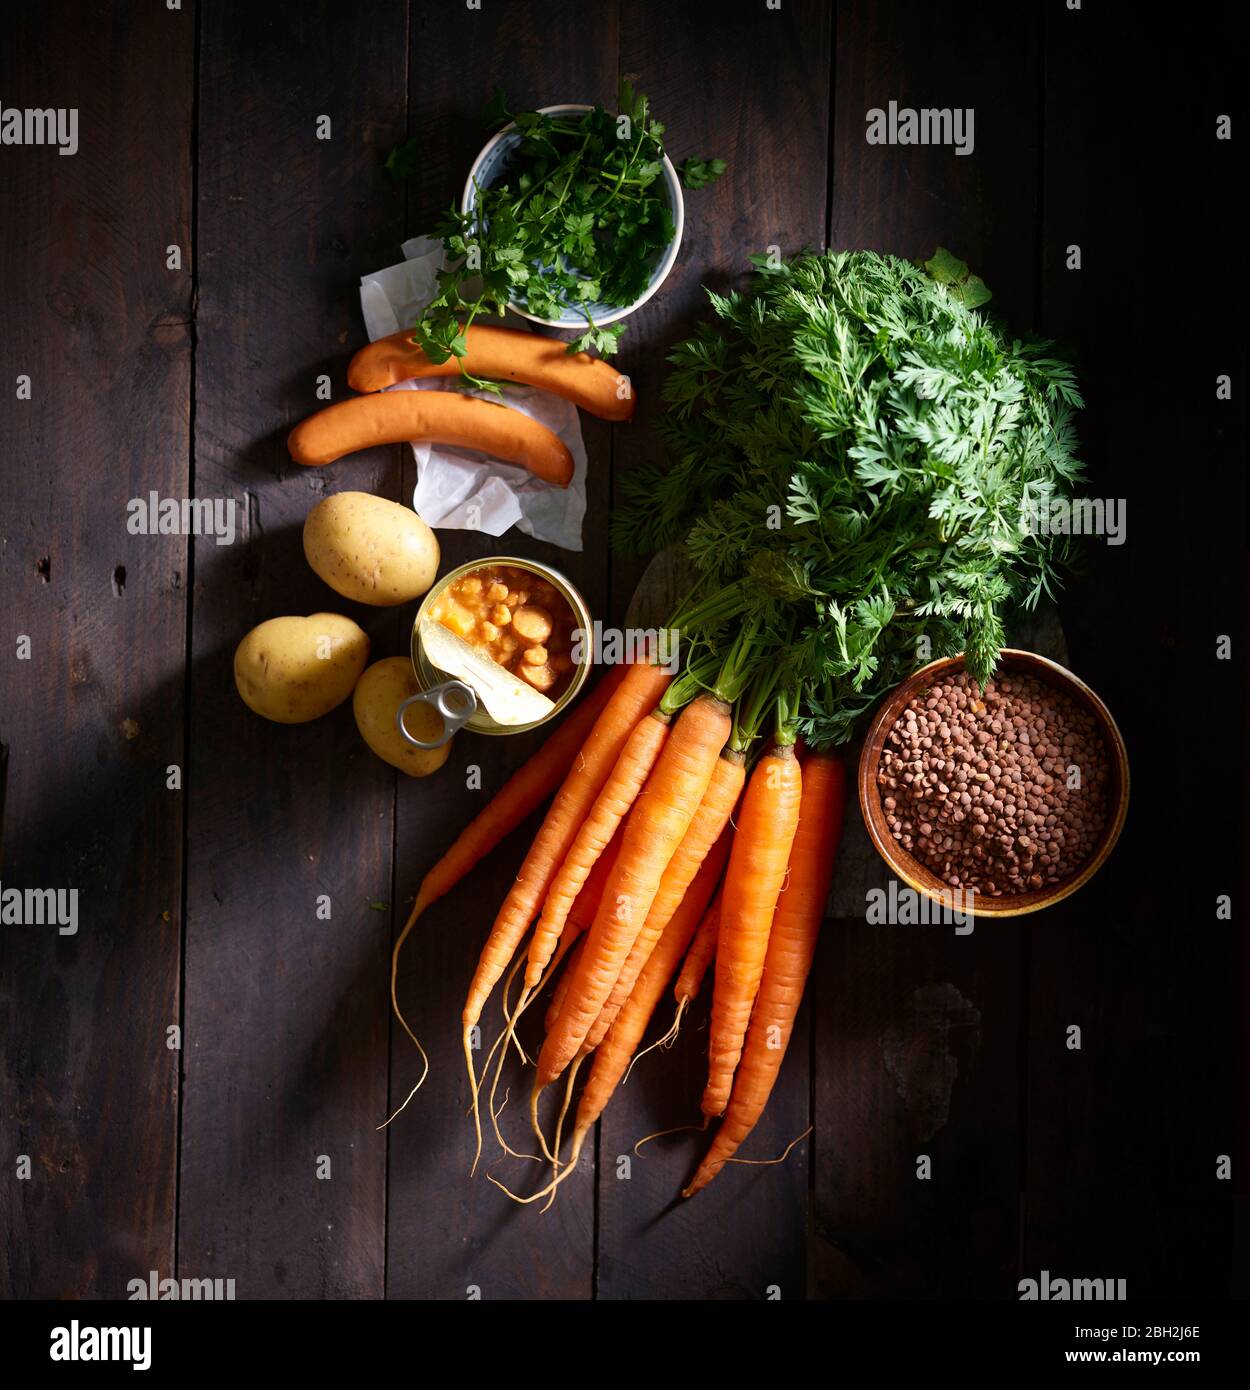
x=684 y=826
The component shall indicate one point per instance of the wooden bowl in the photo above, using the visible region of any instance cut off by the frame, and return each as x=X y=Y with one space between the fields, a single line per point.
x=916 y=875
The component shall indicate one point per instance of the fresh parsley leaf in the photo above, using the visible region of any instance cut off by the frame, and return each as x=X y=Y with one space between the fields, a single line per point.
x=698 y=173
x=972 y=292
x=949 y=270
x=496 y=113
x=401 y=163
x=945 y=268
x=604 y=341
x=578 y=216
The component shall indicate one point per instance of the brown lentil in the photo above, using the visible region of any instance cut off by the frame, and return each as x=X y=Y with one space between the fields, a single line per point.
x=1012 y=824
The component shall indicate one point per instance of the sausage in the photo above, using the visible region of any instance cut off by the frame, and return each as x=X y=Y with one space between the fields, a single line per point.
x=443 y=417
x=501 y=354
x=532 y=623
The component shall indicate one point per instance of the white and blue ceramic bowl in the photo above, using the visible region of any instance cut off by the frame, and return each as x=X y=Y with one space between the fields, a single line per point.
x=488 y=167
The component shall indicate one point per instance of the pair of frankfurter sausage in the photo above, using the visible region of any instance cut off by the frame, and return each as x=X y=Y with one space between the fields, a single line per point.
x=446 y=417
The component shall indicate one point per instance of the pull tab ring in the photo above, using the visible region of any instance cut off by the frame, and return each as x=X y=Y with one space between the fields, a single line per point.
x=455 y=701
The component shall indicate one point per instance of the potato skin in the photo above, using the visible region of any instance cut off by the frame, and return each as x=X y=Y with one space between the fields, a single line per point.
x=376 y=698
x=284 y=670
x=369 y=549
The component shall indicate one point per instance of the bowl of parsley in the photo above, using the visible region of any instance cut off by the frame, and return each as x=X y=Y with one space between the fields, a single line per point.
x=572 y=216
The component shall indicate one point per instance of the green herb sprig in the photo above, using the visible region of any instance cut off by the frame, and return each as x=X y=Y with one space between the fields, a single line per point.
x=579 y=217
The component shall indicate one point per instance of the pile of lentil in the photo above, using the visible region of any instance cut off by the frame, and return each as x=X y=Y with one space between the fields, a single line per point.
x=975 y=783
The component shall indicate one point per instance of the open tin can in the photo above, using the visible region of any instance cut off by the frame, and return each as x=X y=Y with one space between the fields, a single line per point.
x=455 y=699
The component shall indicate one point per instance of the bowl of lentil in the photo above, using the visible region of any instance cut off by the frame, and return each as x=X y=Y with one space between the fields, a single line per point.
x=1016 y=793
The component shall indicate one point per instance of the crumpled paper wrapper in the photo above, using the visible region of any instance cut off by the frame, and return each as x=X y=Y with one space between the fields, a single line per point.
x=461 y=489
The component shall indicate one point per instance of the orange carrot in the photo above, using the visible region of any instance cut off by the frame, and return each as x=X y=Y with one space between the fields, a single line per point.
x=660 y=818
x=528 y=787
x=562 y=984
x=586 y=904
x=569 y=941
x=611 y=806
x=581 y=914
x=638 y=692
x=613 y=1055
x=708 y=834
x=791 y=947
x=753 y=880
x=700 y=954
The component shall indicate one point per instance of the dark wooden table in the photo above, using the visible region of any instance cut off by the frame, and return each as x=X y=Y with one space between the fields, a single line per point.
x=182 y=1070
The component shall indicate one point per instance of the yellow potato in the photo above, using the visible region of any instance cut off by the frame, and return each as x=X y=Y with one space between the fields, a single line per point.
x=292 y=670
x=377 y=696
x=369 y=549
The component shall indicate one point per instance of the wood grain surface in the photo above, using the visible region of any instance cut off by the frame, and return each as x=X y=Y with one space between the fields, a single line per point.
x=197 y=1076
x=285 y=1054
x=453 y=1233
x=93 y=716
x=651 y=1243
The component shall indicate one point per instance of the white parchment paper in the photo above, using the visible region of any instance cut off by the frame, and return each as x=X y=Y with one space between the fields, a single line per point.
x=460 y=489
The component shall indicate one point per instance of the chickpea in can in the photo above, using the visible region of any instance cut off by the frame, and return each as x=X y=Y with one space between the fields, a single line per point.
x=515 y=617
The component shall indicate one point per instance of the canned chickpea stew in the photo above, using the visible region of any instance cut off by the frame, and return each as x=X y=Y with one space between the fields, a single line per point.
x=523 y=616
x=515 y=618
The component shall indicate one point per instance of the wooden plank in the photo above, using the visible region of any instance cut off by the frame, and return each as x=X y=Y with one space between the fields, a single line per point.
x=744 y=1235
x=286 y=1034
x=919 y=1033
x=92 y=719
x=907 y=199
x=917 y=1045
x=918 y=1039
x=449 y=1231
x=1124 y=1133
